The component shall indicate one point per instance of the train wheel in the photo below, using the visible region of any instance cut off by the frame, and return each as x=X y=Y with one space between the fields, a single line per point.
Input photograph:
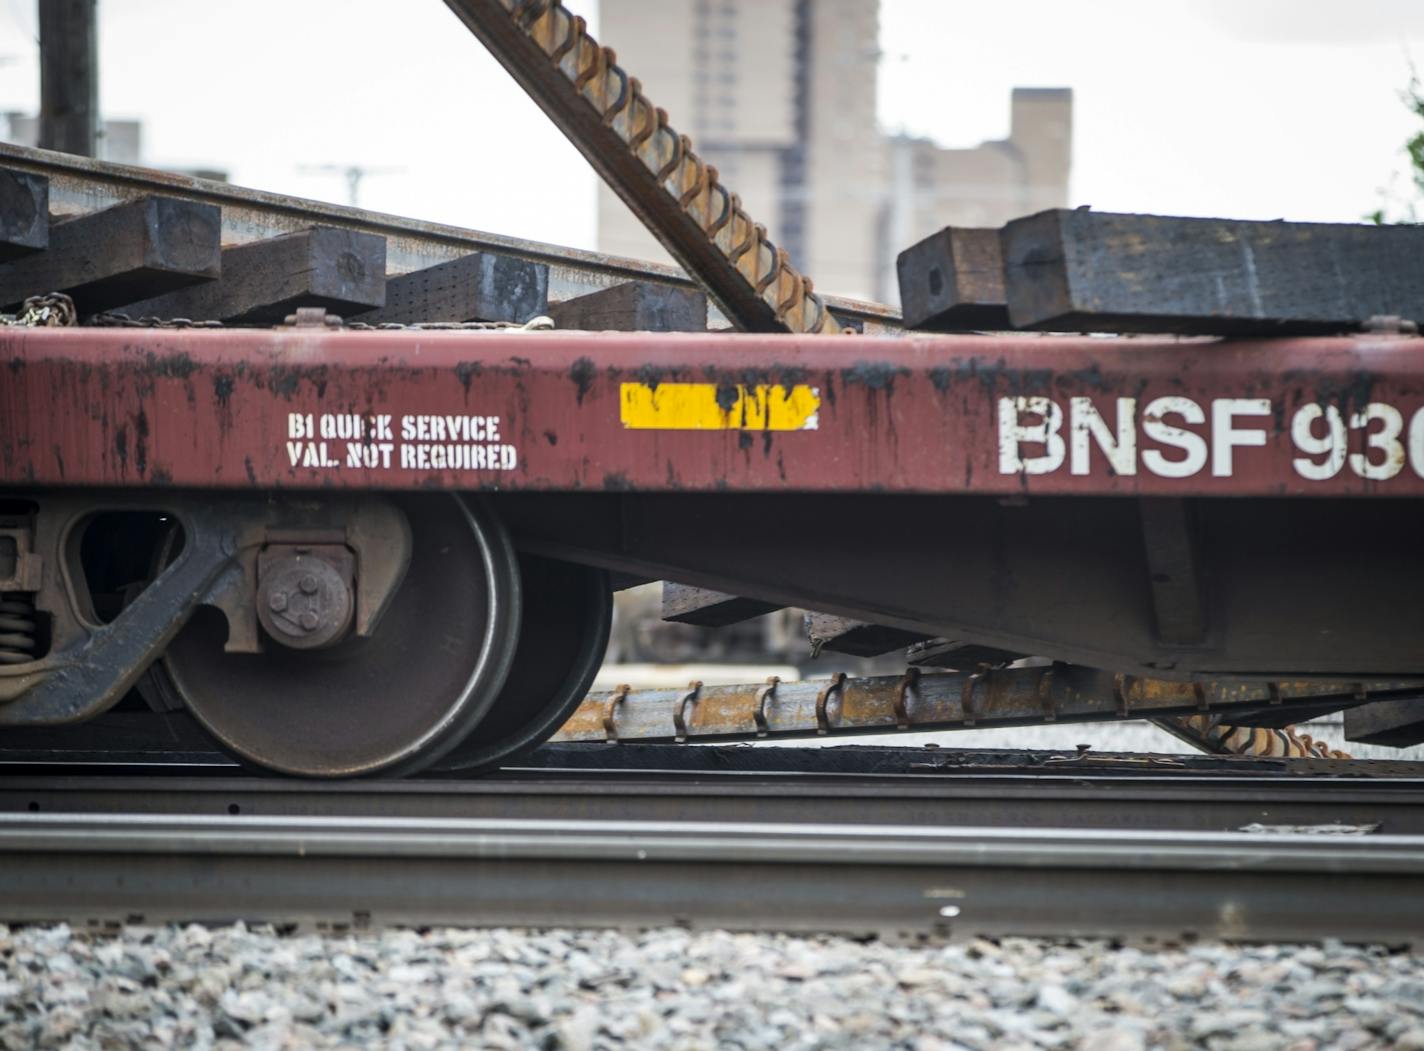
x=567 y=615
x=392 y=703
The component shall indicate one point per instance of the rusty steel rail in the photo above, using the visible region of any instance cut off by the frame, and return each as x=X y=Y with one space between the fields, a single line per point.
x=628 y=140
x=942 y=879
x=944 y=701
x=81 y=185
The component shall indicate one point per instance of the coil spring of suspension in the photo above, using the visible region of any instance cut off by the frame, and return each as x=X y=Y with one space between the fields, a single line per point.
x=19 y=628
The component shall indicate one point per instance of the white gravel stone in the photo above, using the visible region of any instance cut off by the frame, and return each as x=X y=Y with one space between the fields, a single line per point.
x=233 y=987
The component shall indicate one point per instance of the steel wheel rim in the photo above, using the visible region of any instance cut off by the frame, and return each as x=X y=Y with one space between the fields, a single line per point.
x=464 y=571
x=559 y=664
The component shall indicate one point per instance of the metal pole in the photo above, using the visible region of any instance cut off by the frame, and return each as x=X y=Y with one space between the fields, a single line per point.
x=69 y=76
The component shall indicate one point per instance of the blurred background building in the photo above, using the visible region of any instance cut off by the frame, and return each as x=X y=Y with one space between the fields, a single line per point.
x=780 y=95
x=120 y=141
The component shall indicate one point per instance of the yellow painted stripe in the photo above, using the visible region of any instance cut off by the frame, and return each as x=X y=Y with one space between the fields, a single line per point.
x=697 y=407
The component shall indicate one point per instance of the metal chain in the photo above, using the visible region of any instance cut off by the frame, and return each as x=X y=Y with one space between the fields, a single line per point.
x=54 y=310
x=57 y=310
x=114 y=319
x=535 y=324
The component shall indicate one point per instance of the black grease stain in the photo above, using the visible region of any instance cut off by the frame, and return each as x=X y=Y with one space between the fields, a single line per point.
x=727 y=397
x=222 y=389
x=466 y=371
x=1035 y=381
x=251 y=473
x=551 y=437
x=284 y=381
x=141 y=442
x=790 y=375
x=875 y=375
x=1090 y=378
x=651 y=375
x=121 y=446
x=177 y=366
x=582 y=373
x=744 y=440
x=616 y=482
x=1350 y=393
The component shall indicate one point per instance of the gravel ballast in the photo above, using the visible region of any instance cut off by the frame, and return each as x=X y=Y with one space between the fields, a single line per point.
x=231 y=987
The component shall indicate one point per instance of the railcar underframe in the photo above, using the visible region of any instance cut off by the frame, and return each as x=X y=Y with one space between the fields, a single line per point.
x=1170 y=508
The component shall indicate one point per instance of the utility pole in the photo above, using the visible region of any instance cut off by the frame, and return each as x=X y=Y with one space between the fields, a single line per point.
x=69 y=76
x=353 y=173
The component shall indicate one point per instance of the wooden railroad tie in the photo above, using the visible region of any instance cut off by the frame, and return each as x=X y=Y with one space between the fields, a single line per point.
x=108 y=258
x=481 y=286
x=263 y=281
x=1076 y=270
x=24 y=213
x=635 y=306
x=953 y=281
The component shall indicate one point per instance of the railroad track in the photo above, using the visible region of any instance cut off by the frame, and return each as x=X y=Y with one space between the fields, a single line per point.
x=134 y=741
x=81 y=186
x=952 y=854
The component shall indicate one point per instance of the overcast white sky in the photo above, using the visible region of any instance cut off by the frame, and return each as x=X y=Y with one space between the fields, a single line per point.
x=1247 y=108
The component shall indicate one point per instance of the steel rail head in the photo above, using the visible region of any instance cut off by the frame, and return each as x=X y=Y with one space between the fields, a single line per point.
x=653 y=167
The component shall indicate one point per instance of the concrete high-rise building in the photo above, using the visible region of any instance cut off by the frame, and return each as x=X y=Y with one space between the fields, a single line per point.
x=780 y=95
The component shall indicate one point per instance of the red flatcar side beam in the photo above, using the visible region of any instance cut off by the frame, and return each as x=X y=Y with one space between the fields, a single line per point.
x=314 y=408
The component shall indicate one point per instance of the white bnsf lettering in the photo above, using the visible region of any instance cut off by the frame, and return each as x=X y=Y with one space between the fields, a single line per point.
x=1188 y=447
x=1179 y=437
x=1118 y=444
x=1015 y=434
x=1226 y=435
x=383 y=441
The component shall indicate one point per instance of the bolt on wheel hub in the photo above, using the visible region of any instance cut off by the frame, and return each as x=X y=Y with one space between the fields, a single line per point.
x=304 y=595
